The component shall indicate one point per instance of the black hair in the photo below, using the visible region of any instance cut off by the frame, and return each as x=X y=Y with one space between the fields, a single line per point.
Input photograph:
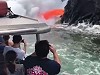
x=6 y=38
x=10 y=58
x=17 y=38
x=42 y=48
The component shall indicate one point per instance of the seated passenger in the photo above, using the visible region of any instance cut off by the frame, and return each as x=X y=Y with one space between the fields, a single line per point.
x=12 y=67
x=17 y=39
x=7 y=40
x=39 y=64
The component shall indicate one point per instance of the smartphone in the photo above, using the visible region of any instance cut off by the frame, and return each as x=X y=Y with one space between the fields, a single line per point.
x=22 y=41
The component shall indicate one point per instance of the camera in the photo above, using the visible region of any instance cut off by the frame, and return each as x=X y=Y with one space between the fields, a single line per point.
x=22 y=41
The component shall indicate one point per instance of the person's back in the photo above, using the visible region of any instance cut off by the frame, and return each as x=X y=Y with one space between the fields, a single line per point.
x=12 y=67
x=39 y=64
x=43 y=66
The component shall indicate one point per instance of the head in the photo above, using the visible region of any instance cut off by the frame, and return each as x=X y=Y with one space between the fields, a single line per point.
x=17 y=38
x=42 y=48
x=6 y=37
x=11 y=56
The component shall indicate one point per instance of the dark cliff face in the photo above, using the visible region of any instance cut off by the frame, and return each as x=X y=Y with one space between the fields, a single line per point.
x=81 y=10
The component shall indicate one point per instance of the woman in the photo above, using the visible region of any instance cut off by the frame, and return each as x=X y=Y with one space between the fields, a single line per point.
x=12 y=67
x=7 y=40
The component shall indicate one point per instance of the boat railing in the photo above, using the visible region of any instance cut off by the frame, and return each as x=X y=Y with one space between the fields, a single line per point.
x=23 y=26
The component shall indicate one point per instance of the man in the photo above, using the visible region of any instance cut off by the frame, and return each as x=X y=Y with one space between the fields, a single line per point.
x=39 y=64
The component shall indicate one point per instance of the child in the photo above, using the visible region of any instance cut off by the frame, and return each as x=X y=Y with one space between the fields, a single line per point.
x=12 y=67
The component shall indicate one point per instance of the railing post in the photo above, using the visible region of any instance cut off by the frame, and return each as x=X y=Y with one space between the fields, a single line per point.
x=37 y=37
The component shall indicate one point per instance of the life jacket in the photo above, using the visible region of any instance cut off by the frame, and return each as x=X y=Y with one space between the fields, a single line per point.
x=3 y=8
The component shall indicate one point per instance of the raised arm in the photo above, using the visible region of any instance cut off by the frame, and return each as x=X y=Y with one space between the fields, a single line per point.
x=55 y=54
x=25 y=45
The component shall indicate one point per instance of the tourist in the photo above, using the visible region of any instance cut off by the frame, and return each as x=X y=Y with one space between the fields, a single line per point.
x=7 y=40
x=12 y=67
x=38 y=63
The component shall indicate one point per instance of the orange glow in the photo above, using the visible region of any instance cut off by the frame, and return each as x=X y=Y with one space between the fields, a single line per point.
x=53 y=13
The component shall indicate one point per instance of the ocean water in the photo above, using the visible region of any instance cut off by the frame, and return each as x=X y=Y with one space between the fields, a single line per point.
x=79 y=54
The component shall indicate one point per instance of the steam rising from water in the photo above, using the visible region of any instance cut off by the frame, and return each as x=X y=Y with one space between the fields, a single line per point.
x=34 y=8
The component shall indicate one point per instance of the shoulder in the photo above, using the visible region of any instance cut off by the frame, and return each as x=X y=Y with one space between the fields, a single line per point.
x=20 y=51
x=19 y=66
x=19 y=69
x=10 y=43
x=54 y=63
x=54 y=66
x=29 y=57
x=6 y=49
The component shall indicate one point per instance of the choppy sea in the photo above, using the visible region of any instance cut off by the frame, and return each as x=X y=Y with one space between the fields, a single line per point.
x=79 y=54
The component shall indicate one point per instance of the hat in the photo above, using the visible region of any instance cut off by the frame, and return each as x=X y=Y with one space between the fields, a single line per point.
x=1 y=40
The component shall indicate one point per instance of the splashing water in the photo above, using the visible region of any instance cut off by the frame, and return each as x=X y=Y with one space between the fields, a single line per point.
x=81 y=28
x=78 y=54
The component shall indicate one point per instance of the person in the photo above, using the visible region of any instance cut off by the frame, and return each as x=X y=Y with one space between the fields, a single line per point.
x=17 y=40
x=2 y=45
x=38 y=64
x=12 y=67
x=3 y=68
x=7 y=40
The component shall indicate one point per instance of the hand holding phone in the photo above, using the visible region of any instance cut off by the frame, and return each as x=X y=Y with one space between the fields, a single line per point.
x=22 y=41
x=52 y=49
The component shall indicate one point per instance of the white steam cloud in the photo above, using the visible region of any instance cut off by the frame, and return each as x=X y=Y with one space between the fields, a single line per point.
x=34 y=8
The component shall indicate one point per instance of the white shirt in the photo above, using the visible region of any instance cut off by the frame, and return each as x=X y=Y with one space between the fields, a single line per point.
x=20 y=52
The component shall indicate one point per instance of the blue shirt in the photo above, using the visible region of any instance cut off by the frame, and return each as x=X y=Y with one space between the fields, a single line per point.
x=34 y=65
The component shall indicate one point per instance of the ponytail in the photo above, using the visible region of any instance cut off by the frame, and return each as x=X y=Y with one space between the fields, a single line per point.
x=10 y=59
